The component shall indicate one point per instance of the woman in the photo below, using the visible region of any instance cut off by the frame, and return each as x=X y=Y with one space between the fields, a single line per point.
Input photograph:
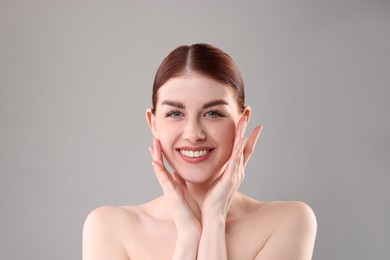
x=198 y=120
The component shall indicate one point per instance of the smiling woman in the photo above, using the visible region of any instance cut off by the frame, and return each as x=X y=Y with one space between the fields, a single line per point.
x=198 y=121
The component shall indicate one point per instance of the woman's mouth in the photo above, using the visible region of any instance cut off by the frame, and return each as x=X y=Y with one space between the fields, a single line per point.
x=194 y=154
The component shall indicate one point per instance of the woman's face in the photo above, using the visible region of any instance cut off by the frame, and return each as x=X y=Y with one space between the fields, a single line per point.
x=195 y=121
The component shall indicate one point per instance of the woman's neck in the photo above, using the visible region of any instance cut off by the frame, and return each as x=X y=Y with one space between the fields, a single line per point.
x=198 y=192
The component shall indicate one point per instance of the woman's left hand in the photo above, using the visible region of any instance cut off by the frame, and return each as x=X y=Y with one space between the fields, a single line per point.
x=218 y=199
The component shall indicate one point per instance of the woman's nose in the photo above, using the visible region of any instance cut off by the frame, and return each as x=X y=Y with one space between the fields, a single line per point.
x=193 y=131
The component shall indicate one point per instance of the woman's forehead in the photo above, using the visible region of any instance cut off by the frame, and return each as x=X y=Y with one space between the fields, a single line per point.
x=194 y=87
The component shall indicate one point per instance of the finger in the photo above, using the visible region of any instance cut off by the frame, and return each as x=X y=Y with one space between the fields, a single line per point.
x=151 y=151
x=250 y=145
x=158 y=151
x=241 y=170
x=155 y=150
x=172 y=192
x=160 y=171
x=237 y=151
x=193 y=206
x=241 y=126
x=240 y=129
x=163 y=177
x=235 y=159
x=178 y=179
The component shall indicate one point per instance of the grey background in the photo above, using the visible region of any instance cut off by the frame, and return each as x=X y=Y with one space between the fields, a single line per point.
x=75 y=80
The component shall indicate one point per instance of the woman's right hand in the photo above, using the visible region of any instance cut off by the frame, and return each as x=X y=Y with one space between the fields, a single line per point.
x=186 y=212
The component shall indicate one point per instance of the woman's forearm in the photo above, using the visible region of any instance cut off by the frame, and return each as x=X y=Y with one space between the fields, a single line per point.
x=212 y=243
x=186 y=247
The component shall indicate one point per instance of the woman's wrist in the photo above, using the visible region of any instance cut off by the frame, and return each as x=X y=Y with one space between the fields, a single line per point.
x=213 y=220
x=213 y=240
x=213 y=214
x=189 y=233
x=186 y=247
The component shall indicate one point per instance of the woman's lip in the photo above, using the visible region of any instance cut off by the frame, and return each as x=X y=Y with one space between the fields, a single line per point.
x=194 y=160
x=188 y=148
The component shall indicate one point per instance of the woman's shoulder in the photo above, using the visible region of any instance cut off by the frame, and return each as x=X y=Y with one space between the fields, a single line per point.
x=288 y=226
x=291 y=208
x=287 y=212
x=299 y=209
x=108 y=230
x=279 y=215
x=109 y=216
x=292 y=222
x=290 y=215
x=109 y=213
x=110 y=221
x=120 y=214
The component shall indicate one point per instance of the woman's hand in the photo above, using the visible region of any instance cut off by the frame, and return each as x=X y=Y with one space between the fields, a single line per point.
x=201 y=232
x=218 y=199
x=185 y=209
x=216 y=205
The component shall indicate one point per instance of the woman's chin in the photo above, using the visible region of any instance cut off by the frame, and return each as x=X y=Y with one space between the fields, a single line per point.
x=198 y=176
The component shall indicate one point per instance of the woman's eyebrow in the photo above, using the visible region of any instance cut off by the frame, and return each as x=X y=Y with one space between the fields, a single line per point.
x=173 y=104
x=214 y=103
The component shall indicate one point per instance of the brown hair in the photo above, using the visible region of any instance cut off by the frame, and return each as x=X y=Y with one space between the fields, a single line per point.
x=204 y=59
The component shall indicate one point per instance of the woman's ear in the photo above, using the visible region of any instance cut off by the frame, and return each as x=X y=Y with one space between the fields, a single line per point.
x=151 y=119
x=247 y=113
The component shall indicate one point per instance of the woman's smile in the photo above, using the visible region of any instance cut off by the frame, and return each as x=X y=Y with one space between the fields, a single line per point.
x=194 y=155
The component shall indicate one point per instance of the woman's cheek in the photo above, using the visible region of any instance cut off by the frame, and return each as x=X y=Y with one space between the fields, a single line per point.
x=229 y=132
x=225 y=137
x=166 y=139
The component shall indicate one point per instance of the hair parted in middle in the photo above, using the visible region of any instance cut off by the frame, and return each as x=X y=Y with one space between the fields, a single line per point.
x=204 y=59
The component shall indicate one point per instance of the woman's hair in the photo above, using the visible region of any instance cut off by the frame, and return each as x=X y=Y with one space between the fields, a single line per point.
x=204 y=59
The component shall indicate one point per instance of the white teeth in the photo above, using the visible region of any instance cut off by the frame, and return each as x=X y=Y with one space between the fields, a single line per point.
x=193 y=154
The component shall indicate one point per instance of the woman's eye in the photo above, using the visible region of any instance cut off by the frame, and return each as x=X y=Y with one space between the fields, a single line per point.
x=214 y=114
x=174 y=114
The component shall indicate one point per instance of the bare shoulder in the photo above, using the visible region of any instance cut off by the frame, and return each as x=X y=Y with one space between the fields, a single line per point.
x=293 y=230
x=278 y=212
x=289 y=212
x=111 y=219
x=108 y=213
x=105 y=231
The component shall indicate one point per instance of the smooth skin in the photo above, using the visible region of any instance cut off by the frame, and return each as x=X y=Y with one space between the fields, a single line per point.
x=201 y=214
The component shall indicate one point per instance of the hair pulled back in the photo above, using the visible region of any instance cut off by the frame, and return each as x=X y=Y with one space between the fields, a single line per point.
x=204 y=59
